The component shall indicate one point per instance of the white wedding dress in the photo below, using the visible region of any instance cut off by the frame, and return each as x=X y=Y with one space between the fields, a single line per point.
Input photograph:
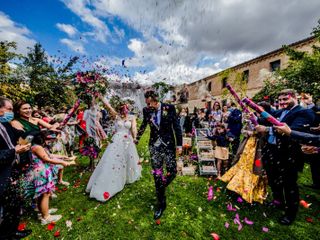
x=119 y=165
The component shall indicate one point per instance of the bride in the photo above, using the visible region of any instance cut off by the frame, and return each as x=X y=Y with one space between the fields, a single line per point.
x=120 y=161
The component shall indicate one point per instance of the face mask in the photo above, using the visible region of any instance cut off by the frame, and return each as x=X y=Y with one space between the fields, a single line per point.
x=7 y=117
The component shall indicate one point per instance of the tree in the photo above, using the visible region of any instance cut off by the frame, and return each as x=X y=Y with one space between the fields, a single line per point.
x=48 y=83
x=6 y=55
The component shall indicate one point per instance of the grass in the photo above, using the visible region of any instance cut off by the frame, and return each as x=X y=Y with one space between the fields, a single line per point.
x=129 y=214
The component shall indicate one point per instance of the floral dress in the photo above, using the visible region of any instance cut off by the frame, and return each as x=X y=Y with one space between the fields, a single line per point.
x=242 y=179
x=40 y=178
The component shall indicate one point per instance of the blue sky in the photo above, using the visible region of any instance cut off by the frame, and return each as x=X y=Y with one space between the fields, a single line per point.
x=179 y=41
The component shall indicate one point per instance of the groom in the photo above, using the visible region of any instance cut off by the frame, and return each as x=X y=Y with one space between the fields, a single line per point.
x=165 y=135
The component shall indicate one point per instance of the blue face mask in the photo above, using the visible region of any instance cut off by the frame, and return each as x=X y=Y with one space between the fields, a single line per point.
x=7 y=117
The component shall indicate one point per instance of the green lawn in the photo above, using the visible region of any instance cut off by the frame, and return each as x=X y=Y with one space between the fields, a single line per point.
x=129 y=215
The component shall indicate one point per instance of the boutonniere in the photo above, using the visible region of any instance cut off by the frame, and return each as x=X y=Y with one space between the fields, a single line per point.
x=165 y=111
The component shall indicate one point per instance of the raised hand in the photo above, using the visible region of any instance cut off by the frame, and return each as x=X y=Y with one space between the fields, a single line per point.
x=22 y=148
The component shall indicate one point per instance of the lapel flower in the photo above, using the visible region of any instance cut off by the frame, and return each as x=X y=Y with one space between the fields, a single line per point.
x=165 y=111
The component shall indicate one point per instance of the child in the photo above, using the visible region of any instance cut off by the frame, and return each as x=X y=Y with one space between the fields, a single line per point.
x=41 y=177
x=222 y=138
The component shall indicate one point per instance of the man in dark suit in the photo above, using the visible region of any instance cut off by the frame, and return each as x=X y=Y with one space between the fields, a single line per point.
x=307 y=102
x=284 y=157
x=9 y=160
x=301 y=137
x=165 y=135
x=234 y=126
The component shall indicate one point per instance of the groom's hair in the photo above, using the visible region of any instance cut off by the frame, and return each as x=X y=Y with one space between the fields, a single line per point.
x=154 y=95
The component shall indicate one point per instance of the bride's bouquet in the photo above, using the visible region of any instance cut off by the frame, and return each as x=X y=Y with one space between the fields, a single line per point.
x=89 y=84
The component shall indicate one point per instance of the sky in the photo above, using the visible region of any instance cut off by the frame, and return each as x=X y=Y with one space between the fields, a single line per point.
x=175 y=41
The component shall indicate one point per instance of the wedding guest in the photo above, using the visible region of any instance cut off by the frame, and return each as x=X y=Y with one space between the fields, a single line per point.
x=247 y=177
x=41 y=177
x=284 y=157
x=307 y=102
x=223 y=140
x=216 y=112
x=224 y=115
x=235 y=125
x=24 y=121
x=10 y=200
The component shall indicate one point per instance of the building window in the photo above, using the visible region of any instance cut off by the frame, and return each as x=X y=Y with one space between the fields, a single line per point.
x=224 y=82
x=245 y=76
x=275 y=65
x=209 y=87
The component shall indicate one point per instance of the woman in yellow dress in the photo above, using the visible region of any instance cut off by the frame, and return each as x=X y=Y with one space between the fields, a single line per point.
x=247 y=177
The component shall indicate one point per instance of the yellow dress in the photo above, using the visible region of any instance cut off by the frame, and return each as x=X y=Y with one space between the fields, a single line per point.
x=241 y=178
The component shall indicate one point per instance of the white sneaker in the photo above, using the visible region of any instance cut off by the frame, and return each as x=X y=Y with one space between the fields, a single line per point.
x=64 y=183
x=51 y=211
x=50 y=219
x=53 y=195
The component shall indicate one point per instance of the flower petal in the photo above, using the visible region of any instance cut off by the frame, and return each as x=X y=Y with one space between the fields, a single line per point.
x=248 y=221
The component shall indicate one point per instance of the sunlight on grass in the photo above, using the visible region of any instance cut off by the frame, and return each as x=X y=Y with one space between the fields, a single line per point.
x=129 y=214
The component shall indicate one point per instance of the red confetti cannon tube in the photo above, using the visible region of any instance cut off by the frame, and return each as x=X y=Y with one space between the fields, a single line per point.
x=261 y=111
x=75 y=107
x=252 y=117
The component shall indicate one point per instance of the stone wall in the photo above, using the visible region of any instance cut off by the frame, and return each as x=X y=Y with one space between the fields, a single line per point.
x=259 y=69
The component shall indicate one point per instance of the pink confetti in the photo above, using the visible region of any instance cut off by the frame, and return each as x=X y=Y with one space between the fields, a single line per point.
x=215 y=236
x=230 y=208
x=226 y=225
x=210 y=193
x=247 y=221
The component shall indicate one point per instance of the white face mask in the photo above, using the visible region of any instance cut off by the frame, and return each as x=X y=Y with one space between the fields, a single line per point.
x=302 y=104
x=7 y=117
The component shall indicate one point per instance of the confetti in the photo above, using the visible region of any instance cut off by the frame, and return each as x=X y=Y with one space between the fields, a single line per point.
x=215 y=236
x=51 y=226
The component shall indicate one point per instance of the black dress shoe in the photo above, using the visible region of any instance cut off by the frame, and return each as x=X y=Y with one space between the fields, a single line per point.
x=158 y=213
x=286 y=220
x=21 y=234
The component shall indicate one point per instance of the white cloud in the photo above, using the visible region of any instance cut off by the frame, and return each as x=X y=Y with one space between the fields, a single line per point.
x=178 y=35
x=79 y=7
x=67 y=28
x=177 y=74
x=75 y=46
x=11 y=31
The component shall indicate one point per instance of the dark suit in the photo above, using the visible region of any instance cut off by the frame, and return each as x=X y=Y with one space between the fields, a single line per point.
x=306 y=138
x=9 y=198
x=235 y=125
x=284 y=159
x=314 y=158
x=169 y=135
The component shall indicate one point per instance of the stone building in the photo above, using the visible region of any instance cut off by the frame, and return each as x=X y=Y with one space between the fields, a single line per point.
x=254 y=72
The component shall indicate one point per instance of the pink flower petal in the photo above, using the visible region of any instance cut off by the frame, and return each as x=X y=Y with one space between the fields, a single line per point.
x=240 y=227
x=236 y=221
x=248 y=221
x=226 y=225
x=239 y=200
x=265 y=229
x=215 y=236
